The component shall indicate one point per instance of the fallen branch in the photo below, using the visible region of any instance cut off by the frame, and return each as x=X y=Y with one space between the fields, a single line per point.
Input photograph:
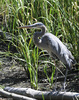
x=14 y=96
x=47 y=95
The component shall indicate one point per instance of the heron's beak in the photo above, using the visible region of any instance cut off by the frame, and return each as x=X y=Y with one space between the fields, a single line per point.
x=25 y=27
x=28 y=26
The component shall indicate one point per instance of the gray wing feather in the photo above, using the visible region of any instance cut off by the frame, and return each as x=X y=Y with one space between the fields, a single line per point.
x=57 y=49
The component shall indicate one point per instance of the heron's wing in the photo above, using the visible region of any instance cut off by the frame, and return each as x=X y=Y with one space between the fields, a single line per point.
x=61 y=51
x=49 y=44
x=56 y=48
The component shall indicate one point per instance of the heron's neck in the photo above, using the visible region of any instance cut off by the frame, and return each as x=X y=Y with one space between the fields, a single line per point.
x=37 y=35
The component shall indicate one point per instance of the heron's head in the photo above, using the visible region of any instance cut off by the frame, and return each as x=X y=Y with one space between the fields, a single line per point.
x=35 y=25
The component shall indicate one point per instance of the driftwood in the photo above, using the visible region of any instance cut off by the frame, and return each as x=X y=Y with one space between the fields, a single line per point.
x=14 y=96
x=24 y=93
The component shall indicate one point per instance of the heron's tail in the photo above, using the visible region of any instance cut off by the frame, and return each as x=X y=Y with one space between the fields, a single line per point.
x=70 y=61
x=73 y=62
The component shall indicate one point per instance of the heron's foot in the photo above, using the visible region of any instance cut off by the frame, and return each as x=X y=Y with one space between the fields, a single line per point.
x=55 y=91
x=64 y=87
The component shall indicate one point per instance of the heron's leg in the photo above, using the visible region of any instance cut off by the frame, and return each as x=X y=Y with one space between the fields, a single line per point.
x=64 y=84
x=56 y=78
x=56 y=71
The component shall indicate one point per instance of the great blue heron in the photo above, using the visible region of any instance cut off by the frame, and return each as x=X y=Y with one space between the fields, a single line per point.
x=53 y=45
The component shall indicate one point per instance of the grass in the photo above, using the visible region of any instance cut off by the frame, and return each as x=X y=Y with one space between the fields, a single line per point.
x=61 y=18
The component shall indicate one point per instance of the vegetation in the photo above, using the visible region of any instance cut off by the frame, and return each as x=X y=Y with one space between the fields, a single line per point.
x=61 y=18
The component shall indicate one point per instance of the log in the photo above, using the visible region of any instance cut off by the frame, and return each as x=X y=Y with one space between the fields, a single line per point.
x=14 y=96
x=48 y=95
